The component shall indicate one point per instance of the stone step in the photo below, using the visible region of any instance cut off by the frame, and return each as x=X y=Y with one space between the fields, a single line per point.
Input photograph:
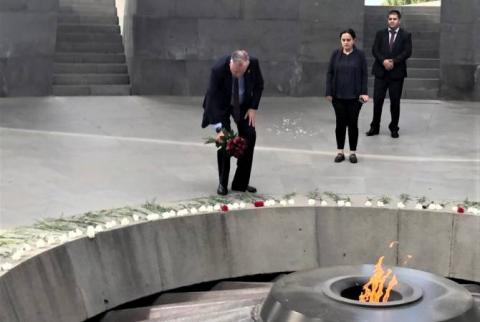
x=421 y=94
x=404 y=10
x=90 y=47
x=87 y=2
x=81 y=28
x=415 y=83
x=416 y=43
x=429 y=73
x=87 y=90
x=179 y=310
x=79 y=68
x=86 y=36
x=236 y=294
x=233 y=285
x=373 y=27
x=90 y=79
x=99 y=19
x=415 y=62
x=89 y=58
x=243 y=314
x=88 y=9
x=426 y=18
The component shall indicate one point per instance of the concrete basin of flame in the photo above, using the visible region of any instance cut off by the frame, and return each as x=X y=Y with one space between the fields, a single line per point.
x=329 y=295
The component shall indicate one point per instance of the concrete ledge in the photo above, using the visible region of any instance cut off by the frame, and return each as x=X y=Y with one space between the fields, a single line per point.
x=85 y=277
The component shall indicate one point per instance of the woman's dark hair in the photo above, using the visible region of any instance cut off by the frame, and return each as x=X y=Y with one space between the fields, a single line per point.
x=395 y=12
x=349 y=31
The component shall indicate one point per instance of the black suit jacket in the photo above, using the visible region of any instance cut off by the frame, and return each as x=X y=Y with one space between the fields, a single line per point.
x=217 y=101
x=402 y=50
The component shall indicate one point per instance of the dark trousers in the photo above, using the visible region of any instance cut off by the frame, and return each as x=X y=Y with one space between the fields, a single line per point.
x=395 y=87
x=346 y=112
x=244 y=163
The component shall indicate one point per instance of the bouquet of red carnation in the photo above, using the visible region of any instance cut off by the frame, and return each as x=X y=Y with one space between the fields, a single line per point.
x=231 y=142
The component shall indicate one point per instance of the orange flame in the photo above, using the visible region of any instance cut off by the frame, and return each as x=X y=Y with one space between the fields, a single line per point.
x=373 y=290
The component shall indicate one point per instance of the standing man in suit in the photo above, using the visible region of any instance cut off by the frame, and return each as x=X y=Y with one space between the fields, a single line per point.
x=392 y=48
x=235 y=89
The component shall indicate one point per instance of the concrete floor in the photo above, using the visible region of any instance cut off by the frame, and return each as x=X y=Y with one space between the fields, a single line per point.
x=62 y=155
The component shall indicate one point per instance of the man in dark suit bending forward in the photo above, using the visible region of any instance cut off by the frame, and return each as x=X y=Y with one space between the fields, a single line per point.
x=234 y=89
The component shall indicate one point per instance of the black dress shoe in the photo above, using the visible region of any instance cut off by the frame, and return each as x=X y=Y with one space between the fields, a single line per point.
x=221 y=190
x=353 y=158
x=248 y=189
x=395 y=134
x=372 y=132
x=339 y=158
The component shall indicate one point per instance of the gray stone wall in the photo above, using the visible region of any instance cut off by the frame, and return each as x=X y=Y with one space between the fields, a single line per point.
x=460 y=49
x=171 y=44
x=27 y=43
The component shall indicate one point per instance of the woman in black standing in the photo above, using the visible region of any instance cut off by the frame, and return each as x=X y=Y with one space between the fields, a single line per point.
x=347 y=79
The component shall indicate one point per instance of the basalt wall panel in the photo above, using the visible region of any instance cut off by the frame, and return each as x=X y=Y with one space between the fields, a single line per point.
x=460 y=49
x=292 y=39
x=27 y=43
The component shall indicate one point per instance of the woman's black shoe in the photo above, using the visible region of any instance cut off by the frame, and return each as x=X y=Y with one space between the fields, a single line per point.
x=372 y=132
x=340 y=157
x=353 y=158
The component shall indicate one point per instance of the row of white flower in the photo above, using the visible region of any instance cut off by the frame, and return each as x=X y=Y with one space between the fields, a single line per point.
x=91 y=231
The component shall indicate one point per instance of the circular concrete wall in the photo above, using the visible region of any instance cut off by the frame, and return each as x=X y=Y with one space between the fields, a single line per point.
x=85 y=277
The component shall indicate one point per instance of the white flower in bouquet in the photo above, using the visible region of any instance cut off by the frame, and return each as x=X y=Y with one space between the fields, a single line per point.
x=311 y=202
x=6 y=267
x=203 y=208
x=210 y=208
x=98 y=228
x=291 y=202
x=380 y=204
x=438 y=206
x=235 y=205
x=230 y=206
x=40 y=243
x=63 y=238
x=324 y=203
x=150 y=217
x=78 y=232
x=454 y=208
x=90 y=232
x=135 y=217
x=217 y=207
x=18 y=255
x=51 y=240
x=418 y=206
x=368 y=203
x=113 y=223
x=348 y=203
x=26 y=247
x=283 y=202
x=341 y=203
x=172 y=213
x=431 y=206
x=182 y=212
x=193 y=211
x=270 y=203
x=400 y=205
x=71 y=234
x=124 y=221
x=242 y=205
x=472 y=210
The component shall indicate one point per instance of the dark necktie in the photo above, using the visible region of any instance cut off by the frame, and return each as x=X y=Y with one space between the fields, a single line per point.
x=236 y=100
x=392 y=38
